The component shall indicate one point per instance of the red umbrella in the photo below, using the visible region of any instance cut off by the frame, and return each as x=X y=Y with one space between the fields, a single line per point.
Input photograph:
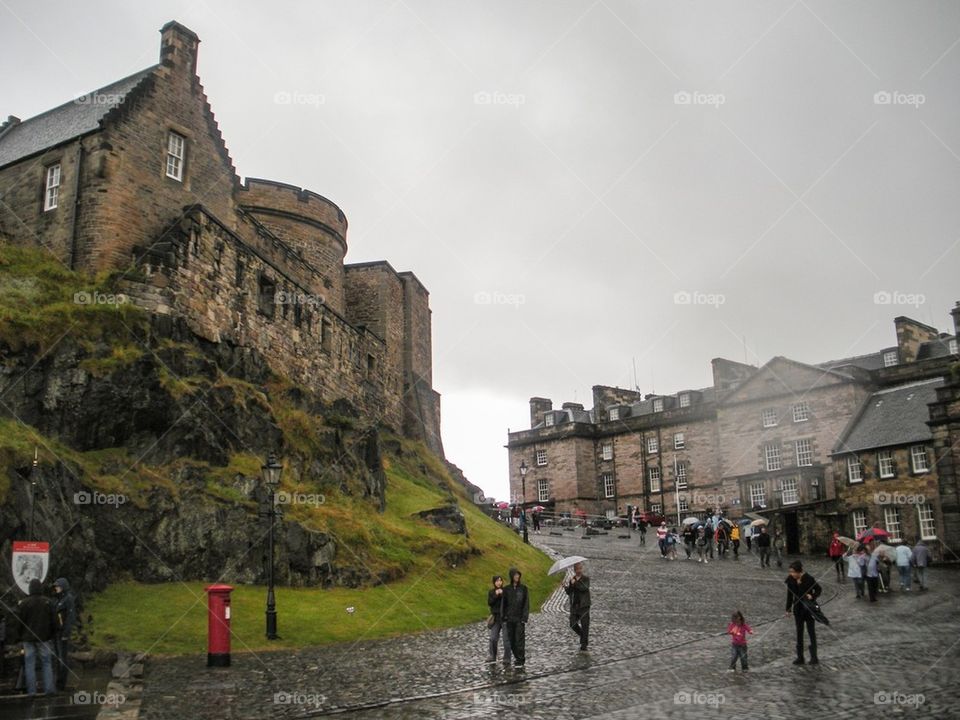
x=873 y=534
x=501 y=505
x=537 y=508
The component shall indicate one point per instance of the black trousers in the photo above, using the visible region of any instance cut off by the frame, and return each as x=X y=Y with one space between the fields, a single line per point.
x=61 y=662
x=516 y=636
x=801 y=619
x=580 y=624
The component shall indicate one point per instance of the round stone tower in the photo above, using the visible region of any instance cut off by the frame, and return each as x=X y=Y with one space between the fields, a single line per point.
x=306 y=221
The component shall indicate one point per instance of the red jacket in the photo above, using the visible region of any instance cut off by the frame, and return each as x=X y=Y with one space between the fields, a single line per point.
x=837 y=549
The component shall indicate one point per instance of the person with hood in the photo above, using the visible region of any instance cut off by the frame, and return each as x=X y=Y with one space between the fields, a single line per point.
x=778 y=546
x=836 y=552
x=904 y=562
x=516 y=611
x=35 y=627
x=578 y=590
x=802 y=588
x=702 y=542
x=857 y=569
x=735 y=540
x=921 y=558
x=709 y=530
x=66 y=606
x=689 y=539
x=763 y=547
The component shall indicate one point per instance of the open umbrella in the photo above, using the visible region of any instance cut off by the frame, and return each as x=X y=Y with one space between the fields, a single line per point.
x=813 y=607
x=565 y=563
x=537 y=508
x=759 y=521
x=886 y=551
x=724 y=520
x=691 y=521
x=849 y=542
x=873 y=534
x=501 y=505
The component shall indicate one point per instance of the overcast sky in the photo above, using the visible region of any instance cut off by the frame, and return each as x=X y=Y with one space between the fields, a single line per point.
x=559 y=173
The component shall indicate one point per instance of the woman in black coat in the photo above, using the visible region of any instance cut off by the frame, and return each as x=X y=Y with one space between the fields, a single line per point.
x=802 y=588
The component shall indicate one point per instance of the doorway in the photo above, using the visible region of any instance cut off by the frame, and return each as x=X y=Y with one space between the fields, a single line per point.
x=792 y=531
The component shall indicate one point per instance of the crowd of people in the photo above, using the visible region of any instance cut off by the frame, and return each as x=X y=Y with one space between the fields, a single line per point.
x=718 y=538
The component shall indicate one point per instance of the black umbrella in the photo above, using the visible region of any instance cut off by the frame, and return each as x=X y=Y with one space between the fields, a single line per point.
x=813 y=607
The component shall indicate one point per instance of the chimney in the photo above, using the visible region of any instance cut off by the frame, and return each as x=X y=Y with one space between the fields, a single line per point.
x=955 y=312
x=911 y=334
x=178 y=48
x=539 y=406
x=11 y=122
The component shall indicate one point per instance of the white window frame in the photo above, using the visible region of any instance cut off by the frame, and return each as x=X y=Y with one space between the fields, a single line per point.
x=758 y=495
x=801 y=411
x=804 y=450
x=653 y=445
x=683 y=505
x=768 y=416
x=926 y=522
x=681 y=472
x=609 y=487
x=658 y=404
x=656 y=508
x=540 y=457
x=548 y=420
x=655 y=477
x=859 y=518
x=684 y=400
x=885 y=467
x=543 y=490
x=854 y=469
x=678 y=441
x=791 y=491
x=606 y=451
x=51 y=195
x=772 y=458
x=176 y=155
x=891 y=358
x=615 y=413
x=893 y=522
x=952 y=346
x=919 y=453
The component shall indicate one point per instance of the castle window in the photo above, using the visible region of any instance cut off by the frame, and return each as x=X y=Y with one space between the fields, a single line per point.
x=609 y=489
x=772 y=456
x=658 y=404
x=804 y=452
x=326 y=335
x=606 y=451
x=918 y=456
x=653 y=473
x=371 y=365
x=769 y=416
x=685 y=400
x=51 y=197
x=885 y=464
x=238 y=277
x=683 y=505
x=678 y=442
x=952 y=346
x=176 y=152
x=543 y=490
x=890 y=358
x=297 y=315
x=614 y=413
x=653 y=445
x=859 y=522
x=680 y=470
x=266 y=298
x=541 y=458
x=801 y=412
x=854 y=469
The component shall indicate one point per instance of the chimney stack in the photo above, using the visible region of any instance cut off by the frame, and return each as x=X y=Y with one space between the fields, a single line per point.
x=178 y=47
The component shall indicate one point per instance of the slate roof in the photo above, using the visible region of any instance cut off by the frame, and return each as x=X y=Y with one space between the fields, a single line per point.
x=895 y=416
x=871 y=361
x=70 y=120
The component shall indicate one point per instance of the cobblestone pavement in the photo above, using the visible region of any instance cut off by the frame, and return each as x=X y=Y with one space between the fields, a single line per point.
x=657 y=650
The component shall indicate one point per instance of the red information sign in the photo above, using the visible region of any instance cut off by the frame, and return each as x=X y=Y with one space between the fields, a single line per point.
x=31 y=560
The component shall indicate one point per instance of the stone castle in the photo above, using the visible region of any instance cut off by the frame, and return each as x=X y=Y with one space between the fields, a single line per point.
x=136 y=177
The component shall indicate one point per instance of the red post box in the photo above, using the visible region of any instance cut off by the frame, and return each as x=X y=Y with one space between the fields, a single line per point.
x=218 y=625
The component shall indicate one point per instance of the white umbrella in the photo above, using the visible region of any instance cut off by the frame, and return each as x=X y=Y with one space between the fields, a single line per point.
x=888 y=552
x=759 y=521
x=849 y=542
x=565 y=563
x=691 y=521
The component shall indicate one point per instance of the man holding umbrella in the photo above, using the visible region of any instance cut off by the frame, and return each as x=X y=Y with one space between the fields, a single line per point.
x=578 y=589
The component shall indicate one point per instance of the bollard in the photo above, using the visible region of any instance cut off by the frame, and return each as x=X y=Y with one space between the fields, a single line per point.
x=218 y=625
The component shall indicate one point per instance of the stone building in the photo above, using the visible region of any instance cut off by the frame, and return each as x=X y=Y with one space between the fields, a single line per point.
x=763 y=442
x=136 y=178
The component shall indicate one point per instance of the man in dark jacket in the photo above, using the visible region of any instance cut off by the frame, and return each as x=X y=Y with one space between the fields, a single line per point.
x=802 y=588
x=35 y=627
x=67 y=617
x=578 y=589
x=516 y=610
x=763 y=545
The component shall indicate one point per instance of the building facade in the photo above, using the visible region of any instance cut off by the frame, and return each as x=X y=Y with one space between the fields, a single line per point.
x=774 y=441
x=136 y=178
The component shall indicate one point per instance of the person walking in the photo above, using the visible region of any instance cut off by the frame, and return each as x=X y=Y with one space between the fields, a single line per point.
x=735 y=541
x=535 y=516
x=836 y=552
x=643 y=532
x=66 y=606
x=701 y=543
x=801 y=589
x=495 y=601
x=921 y=558
x=904 y=561
x=636 y=518
x=857 y=569
x=709 y=531
x=35 y=628
x=721 y=538
x=738 y=631
x=873 y=576
x=578 y=590
x=662 y=533
x=689 y=539
x=778 y=547
x=748 y=537
x=516 y=611
x=763 y=547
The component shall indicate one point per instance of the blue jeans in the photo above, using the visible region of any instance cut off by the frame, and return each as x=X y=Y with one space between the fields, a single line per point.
x=30 y=667
x=906 y=576
x=922 y=576
x=495 y=641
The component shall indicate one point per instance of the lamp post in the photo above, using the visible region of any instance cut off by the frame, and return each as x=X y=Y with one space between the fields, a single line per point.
x=271 y=479
x=33 y=489
x=523 y=510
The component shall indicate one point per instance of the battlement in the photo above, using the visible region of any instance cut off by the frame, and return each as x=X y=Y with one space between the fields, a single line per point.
x=268 y=197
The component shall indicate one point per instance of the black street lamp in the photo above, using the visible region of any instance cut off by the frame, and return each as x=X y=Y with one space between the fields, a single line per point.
x=271 y=479
x=523 y=500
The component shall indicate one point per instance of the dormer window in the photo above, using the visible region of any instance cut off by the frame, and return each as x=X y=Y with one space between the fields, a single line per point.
x=684 y=400
x=614 y=413
x=658 y=404
x=548 y=419
x=890 y=358
x=51 y=196
x=952 y=346
x=176 y=153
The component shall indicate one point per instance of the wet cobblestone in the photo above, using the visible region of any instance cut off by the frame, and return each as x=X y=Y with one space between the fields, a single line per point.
x=657 y=651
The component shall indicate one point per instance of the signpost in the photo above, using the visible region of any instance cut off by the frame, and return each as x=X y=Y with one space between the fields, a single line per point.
x=31 y=561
